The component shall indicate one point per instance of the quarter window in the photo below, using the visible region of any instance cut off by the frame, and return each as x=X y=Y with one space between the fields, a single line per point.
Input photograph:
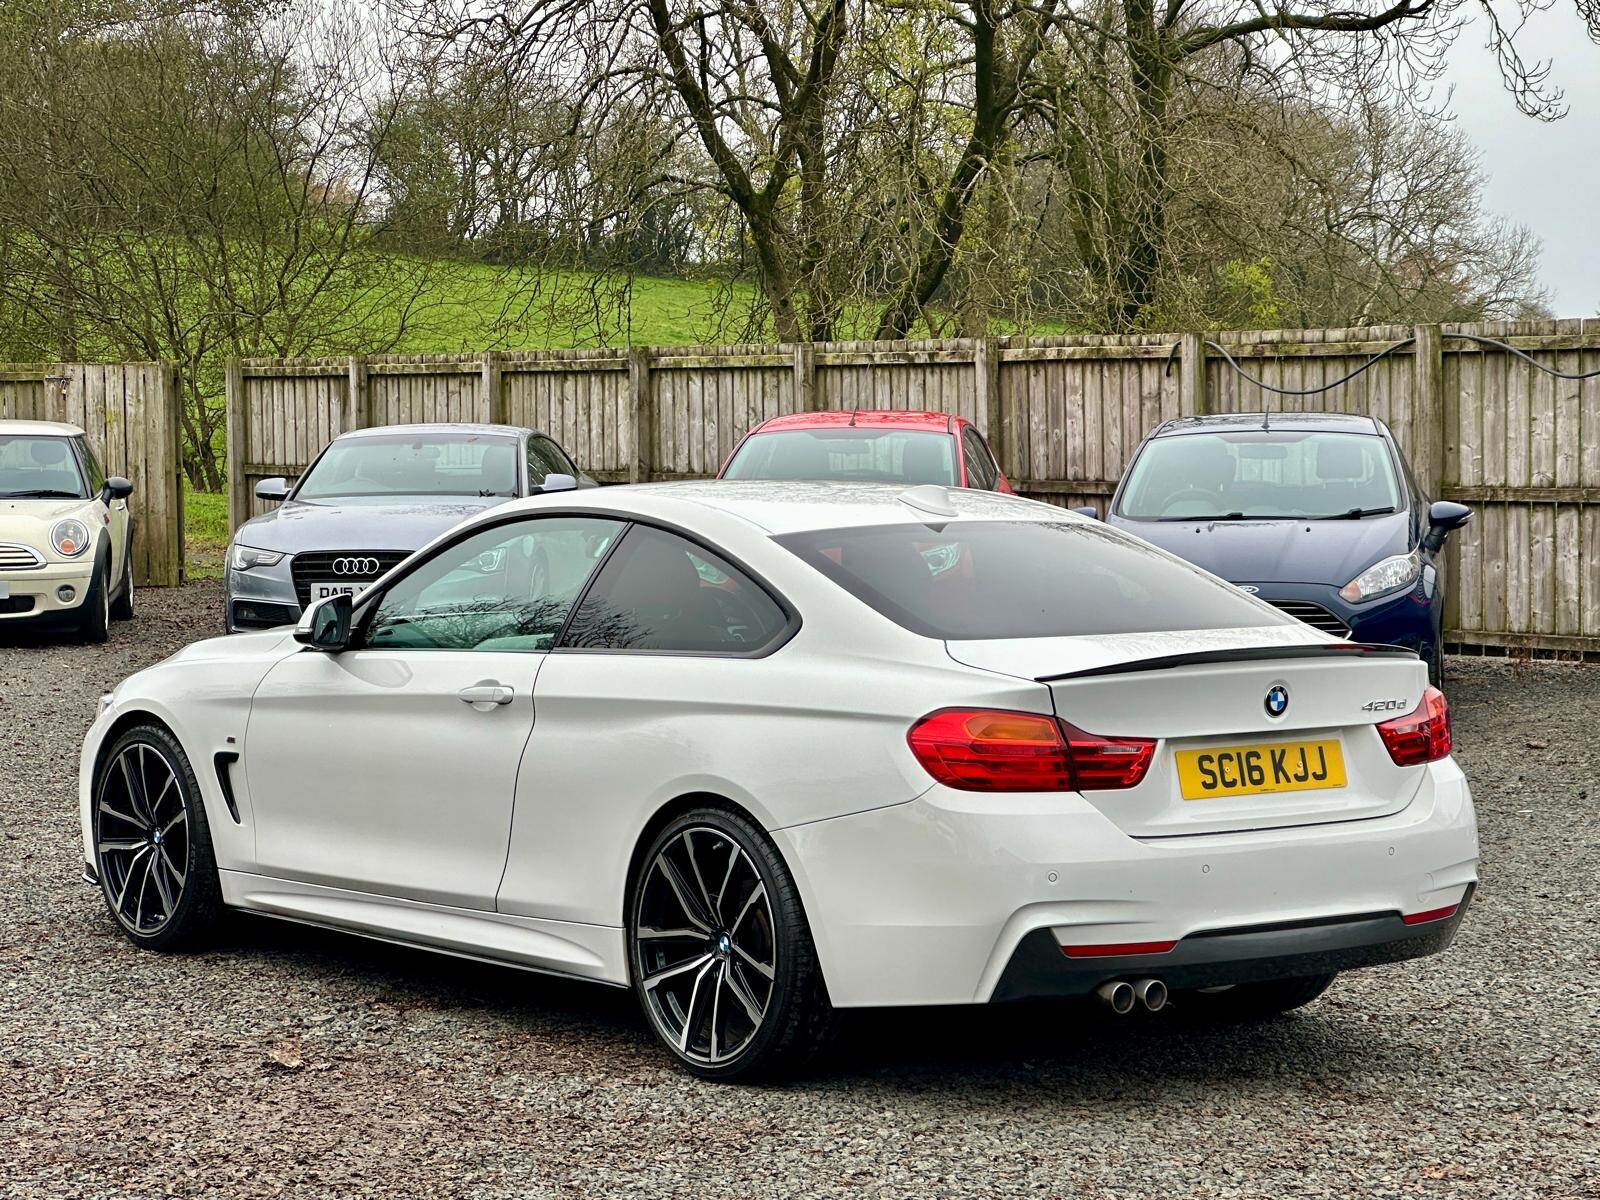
x=509 y=587
x=661 y=592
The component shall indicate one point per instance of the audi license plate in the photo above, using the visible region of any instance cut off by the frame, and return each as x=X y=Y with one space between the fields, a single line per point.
x=321 y=590
x=1255 y=770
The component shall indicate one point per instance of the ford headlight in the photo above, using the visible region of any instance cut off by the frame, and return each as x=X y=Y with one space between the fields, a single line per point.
x=243 y=558
x=70 y=537
x=1384 y=576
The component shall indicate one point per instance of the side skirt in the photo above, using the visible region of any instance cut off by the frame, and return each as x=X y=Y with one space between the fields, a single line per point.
x=596 y=953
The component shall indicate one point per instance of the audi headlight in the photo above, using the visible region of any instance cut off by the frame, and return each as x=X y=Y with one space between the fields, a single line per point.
x=243 y=558
x=1385 y=575
x=70 y=537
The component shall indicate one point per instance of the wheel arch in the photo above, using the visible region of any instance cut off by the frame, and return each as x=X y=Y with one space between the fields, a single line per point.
x=664 y=815
x=688 y=801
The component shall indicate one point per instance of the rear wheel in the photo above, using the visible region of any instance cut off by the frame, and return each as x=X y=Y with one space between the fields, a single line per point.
x=152 y=843
x=722 y=958
x=1254 y=1001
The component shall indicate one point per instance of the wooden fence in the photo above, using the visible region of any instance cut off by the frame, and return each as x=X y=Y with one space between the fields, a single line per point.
x=130 y=413
x=1063 y=414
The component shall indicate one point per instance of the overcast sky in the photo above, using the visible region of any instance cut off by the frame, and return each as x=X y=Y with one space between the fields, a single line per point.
x=1544 y=176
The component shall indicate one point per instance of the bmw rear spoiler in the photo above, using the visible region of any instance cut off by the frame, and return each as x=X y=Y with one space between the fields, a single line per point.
x=1200 y=658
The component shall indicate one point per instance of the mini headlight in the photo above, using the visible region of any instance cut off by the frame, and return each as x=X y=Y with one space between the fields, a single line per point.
x=1385 y=575
x=242 y=558
x=70 y=537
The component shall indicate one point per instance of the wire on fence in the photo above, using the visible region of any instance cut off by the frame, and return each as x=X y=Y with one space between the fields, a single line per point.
x=1379 y=357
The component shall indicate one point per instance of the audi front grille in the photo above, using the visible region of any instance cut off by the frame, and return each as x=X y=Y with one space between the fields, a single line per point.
x=1314 y=615
x=340 y=566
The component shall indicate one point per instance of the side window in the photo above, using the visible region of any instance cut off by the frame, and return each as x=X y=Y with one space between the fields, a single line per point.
x=507 y=588
x=91 y=465
x=662 y=592
x=981 y=471
x=547 y=458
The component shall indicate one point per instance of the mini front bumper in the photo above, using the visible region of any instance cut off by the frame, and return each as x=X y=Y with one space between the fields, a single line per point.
x=929 y=902
x=39 y=590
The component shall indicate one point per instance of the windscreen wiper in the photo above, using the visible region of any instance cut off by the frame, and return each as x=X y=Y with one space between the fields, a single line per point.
x=1231 y=516
x=1355 y=514
x=40 y=494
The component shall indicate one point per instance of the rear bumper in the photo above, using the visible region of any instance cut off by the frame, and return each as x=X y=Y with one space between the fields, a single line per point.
x=930 y=902
x=1228 y=956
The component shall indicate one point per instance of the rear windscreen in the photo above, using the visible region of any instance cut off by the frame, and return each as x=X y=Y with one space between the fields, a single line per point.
x=978 y=580
x=858 y=455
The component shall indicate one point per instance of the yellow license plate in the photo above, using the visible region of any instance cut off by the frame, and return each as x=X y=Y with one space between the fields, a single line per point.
x=1255 y=770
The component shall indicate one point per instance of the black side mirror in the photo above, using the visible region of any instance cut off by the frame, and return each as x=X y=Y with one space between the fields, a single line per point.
x=1092 y=511
x=1444 y=516
x=275 y=489
x=118 y=488
x=326 y=624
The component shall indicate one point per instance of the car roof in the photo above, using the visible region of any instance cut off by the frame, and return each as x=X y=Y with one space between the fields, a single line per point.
x=924 y=419
x=795 y=506
x=433 y=427
x=40 y=428
x=1302 y=422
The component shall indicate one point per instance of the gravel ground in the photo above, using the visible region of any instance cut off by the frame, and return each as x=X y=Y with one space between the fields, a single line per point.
x=313 y=1065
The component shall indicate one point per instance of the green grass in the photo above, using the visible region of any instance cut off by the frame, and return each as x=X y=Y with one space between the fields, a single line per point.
x=471 y=307
x=205 y=533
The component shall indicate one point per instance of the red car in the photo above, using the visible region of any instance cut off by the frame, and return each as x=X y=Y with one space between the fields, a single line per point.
x=868 y=446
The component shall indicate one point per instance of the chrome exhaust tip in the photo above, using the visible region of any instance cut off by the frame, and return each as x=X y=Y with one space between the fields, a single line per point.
x=1152 y=994
x=1118 y=996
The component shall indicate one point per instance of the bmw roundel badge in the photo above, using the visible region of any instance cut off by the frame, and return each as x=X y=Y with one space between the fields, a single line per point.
x=1277 y=702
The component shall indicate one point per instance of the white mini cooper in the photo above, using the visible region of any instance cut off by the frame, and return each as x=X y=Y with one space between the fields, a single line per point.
x=65 y=532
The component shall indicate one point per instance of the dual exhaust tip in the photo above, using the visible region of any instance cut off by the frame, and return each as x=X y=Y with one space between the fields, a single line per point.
x=1121 y=995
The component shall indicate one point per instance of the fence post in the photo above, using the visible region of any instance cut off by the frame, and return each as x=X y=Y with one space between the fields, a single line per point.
x=492 y=387
x=1432 y=416
x=642 y=404
x=237 y=435
x=1192 y=375
x=805 y=377
x=172 y=382
x=358 y=396
x=986 y=367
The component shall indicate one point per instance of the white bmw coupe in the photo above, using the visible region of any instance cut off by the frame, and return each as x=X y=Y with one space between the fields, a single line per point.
x=763 y=751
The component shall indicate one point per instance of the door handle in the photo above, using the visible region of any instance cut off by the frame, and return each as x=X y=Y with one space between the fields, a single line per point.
x=486 y=693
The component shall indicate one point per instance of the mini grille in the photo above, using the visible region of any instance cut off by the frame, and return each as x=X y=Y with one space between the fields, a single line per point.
x=320 y=565
x=19 y=558
x=1314 y=615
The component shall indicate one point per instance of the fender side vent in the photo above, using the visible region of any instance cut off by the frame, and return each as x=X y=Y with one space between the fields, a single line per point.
x=224 y=761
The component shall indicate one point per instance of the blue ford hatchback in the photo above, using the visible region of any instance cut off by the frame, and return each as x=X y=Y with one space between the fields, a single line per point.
x=1317 y=513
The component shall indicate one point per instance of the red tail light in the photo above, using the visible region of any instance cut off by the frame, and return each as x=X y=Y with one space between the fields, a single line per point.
x=1422 y=735
x=980 y=750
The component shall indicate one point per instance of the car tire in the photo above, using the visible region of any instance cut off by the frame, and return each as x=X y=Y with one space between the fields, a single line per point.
x=122 y=606
x=1253 y=1001
x=721 y=955
x=1436 y=665
x=152 y=843
x=95 y=624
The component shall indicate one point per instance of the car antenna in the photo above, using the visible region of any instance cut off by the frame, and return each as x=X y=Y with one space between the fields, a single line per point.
x=854 y=413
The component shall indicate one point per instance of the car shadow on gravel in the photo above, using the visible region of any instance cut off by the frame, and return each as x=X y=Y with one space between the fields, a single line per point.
x=967 y=1046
